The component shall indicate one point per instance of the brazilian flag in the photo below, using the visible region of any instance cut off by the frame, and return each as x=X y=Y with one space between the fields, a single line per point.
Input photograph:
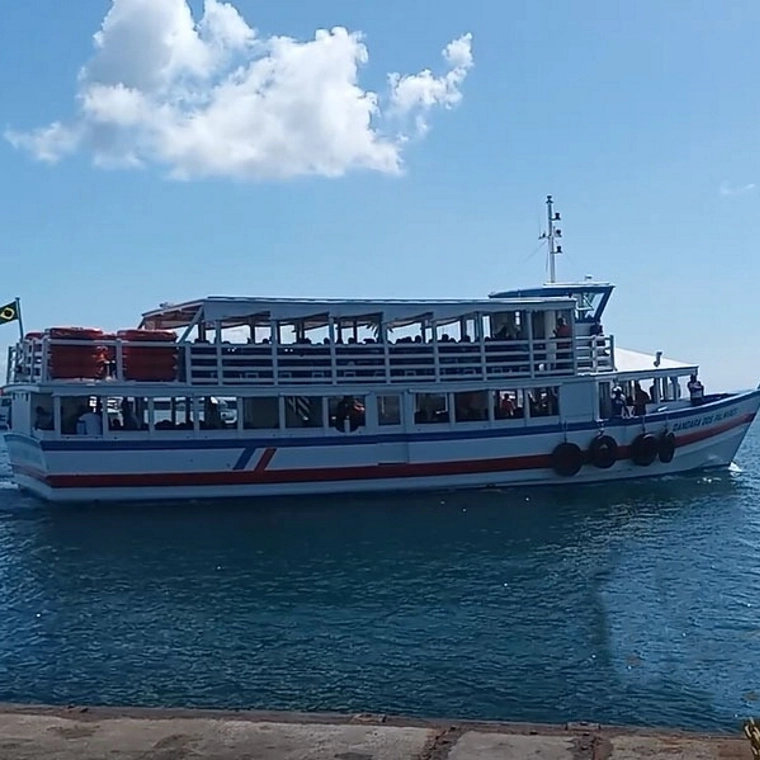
x=9 y=312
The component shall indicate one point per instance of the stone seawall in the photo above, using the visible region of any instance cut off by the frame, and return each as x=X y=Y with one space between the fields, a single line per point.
x=87 y=733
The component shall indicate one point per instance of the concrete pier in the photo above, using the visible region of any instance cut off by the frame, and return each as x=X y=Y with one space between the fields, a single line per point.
x=81 y=733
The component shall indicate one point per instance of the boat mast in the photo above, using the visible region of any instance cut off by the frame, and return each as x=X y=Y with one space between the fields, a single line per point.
x=551 y=235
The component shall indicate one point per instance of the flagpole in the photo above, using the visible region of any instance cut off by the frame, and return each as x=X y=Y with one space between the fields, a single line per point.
x=20 y=319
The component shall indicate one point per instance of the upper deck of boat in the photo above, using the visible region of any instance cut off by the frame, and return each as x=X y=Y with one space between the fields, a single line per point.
x=288 y=342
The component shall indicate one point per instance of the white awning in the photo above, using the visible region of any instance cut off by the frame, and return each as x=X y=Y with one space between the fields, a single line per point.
x=636 y=361
x=233 y=312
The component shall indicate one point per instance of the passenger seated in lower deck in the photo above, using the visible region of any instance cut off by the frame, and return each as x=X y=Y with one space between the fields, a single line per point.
x=431 y=408
x=696 y=391
x=212 y=416
x=43 y=420
x=471 y=406
x=349 y=414
x=640 y=400
x=89 y=422
x=619 y=404
x=128 y=420
x=543 y=403
x=508 y=406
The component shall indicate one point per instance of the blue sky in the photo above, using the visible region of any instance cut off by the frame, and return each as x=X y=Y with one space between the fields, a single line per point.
x=640 y=118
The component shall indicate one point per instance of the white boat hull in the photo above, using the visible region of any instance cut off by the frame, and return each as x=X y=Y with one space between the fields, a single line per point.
x=206 y=466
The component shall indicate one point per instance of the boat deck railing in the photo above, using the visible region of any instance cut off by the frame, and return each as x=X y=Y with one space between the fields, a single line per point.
x=263 y=364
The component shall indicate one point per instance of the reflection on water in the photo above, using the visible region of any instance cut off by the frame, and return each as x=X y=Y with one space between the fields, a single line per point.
x=629 y=603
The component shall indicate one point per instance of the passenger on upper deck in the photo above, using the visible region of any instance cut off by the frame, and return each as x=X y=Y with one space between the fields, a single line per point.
x=696 y=391
x=562 y=330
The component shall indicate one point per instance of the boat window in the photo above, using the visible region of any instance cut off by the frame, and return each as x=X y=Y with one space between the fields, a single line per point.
x=6 y=412
x=509 y=404
x=137 y=407
x=347 y=413
x=674 y=389
x=658 y=390
x=42 y=411
x=644 y=393
x=471 y=406
x=389 y=410
x=538 y=325
x=261 y=413
x=544 y=402
x=507 y=325
x=72 y=408
x=431 y=408
x=215 y=413
x=605 y=400
x=303 y=411
x=168 y=414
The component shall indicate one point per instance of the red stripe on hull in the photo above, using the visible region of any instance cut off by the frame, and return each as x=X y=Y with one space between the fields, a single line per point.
x=299 y=475
x=266 y=458
x=701 y=435
x=261 y=475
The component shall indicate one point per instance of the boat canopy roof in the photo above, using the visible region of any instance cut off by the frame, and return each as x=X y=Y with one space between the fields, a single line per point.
x=591 y=297
x=315 y=313
x=628 y=361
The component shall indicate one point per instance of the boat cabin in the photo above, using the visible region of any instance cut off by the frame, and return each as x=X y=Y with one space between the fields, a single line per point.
x=591 y=299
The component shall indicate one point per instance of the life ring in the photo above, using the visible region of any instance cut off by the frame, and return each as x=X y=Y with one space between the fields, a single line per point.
x=567 y=459
x=667 y=447
x=603 y=452
x=644 y=449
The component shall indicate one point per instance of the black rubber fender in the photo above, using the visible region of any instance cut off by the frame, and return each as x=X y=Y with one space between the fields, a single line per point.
x=603 y=452
x=644 y=449
x=667 y=447
x=567 y=459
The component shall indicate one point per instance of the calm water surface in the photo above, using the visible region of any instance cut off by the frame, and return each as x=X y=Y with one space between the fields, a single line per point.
x=635 y=603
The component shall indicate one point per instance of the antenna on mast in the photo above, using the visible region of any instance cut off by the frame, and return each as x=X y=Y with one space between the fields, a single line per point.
x=551 y=236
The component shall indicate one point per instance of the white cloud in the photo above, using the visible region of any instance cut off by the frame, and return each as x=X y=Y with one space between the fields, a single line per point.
x=213 y=98
x=47 y=143
x=727 y=189
x=418 y=93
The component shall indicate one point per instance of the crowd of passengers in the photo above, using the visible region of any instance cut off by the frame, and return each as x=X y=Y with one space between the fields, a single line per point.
x=469 y=407
x=504 y=334
x=88 y=420
x=473 y=407
x=635 y=404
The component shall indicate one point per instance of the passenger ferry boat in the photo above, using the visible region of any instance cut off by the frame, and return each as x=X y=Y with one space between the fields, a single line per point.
x=234 y=397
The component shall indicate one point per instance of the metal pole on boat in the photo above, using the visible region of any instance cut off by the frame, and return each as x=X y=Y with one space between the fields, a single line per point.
x=550 y=235
x=20 y=319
